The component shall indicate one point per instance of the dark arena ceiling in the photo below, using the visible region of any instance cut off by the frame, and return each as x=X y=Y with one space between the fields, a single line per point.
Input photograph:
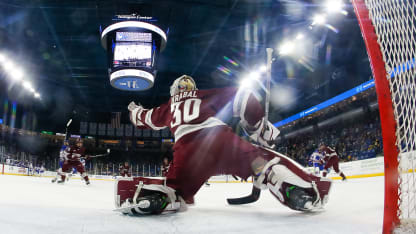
x=57 y=43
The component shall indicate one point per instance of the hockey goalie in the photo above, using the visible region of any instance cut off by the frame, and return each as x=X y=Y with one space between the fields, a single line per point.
x=206 y=146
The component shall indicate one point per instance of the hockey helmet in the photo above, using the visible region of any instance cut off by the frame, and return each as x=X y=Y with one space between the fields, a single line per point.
x=79 y=141
x=181 y=84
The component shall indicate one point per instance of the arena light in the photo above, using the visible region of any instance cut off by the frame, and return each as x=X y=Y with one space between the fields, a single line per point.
x=263 y=68
x=16 y=74
x=8 y=66
x=333 y=6
x=319 y=19
x=286 y=48
x=246 y=83
x=27 y=85
x=299 y=36
x=254 y=75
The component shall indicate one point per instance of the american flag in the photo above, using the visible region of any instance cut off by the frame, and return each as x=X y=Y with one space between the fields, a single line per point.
x=115 y=119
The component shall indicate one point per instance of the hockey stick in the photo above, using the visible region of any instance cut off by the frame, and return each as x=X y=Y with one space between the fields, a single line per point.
x=66 y=129
x=255 y=192
x=254 y=196
x=100 y=155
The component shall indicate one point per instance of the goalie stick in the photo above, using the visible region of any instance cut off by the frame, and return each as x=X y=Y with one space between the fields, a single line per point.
x=254 y=196
x=255 y=192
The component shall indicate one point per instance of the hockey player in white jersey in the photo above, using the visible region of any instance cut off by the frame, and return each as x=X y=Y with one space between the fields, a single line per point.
x=62 y=156
x=317 y=161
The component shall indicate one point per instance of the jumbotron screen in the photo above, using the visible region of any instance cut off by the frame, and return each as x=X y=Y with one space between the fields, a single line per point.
x=133 y=49
x=134 y=36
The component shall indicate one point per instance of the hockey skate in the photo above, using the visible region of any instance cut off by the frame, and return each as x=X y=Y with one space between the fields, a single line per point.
x=54 y=180
x=151 y=204
x=61 y=182
x=85 y=177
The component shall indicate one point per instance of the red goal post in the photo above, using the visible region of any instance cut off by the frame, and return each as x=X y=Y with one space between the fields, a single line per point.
x=388 y=28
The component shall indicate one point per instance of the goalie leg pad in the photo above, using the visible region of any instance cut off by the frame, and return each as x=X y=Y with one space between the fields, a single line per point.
x=293 y=186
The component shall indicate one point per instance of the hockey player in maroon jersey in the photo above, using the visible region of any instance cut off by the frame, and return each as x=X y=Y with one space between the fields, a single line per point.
x=72 y=160
x=125 y=170
x=331 y=160
x=206 y=146
x=165 y=166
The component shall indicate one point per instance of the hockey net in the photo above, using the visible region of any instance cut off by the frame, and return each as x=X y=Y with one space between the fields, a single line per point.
x=388 y=28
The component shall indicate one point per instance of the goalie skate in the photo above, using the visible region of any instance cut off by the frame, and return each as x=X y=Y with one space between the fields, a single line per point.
x=153 y=204
x=128 y=207
x=141 y=195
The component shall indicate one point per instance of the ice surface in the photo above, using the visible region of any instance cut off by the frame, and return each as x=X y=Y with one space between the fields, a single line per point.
x=35 y=205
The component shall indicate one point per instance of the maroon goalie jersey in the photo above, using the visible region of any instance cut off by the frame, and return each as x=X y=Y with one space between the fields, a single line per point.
x=191 y=111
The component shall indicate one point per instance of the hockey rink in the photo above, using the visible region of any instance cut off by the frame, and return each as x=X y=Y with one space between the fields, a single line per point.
x=35 y=205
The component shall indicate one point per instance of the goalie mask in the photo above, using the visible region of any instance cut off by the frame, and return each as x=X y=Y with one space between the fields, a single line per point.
x=182 y=84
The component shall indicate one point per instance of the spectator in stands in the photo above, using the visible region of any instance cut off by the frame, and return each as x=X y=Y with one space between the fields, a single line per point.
x=351 y=141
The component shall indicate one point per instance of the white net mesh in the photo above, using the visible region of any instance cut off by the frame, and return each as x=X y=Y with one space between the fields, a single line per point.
x=394 y=23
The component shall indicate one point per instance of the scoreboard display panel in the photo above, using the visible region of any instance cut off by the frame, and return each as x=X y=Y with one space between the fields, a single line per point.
x=133 y=49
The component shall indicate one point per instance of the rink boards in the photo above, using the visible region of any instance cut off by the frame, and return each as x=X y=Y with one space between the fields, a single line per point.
x=356 y=169
x=360 y=169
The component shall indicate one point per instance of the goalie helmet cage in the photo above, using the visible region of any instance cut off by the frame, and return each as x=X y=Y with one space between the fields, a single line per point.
x=388 y=28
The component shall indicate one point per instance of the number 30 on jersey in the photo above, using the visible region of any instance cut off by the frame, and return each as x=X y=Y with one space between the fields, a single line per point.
x=185 y=111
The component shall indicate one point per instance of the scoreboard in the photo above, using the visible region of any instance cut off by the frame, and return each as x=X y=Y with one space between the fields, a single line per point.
x=133 y=44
